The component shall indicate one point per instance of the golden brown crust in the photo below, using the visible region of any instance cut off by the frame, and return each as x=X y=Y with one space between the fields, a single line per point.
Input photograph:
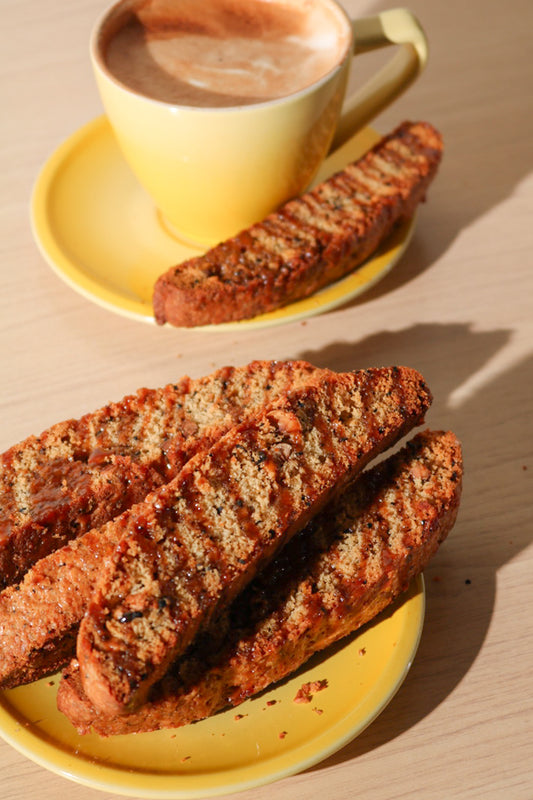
x=39 y=616
x=310 y=241
x=337 y=574
x=194 y=543
x=78 y=474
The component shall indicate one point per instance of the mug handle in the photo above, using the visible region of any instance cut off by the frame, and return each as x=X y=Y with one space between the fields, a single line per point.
x=396 y=26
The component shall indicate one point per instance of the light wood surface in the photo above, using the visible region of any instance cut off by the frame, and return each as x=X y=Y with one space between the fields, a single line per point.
x=458 y=307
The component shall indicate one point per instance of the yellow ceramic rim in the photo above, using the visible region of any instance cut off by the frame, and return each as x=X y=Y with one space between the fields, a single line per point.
x=97 y=289
x=379 y=656
x=99 y=64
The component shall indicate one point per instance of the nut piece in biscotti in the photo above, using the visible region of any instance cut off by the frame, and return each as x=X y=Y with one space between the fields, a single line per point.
x=80 y=473
x=347 y=565
x=39 y=617
x=196 y=542
x=309 y=242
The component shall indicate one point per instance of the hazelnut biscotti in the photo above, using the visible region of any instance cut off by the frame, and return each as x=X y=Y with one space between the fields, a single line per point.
x=193 y=544
x=350 y=562
x=39 y=616
x=310 y=241
x=80 y=473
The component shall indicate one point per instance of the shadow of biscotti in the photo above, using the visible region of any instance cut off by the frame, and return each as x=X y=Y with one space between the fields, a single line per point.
x=493 y=418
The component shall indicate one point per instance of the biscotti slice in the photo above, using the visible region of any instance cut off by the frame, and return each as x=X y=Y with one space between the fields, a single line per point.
x=348 y=564
x=195 y=543
x=39 y=616
x=309 y=242
x=78 y=474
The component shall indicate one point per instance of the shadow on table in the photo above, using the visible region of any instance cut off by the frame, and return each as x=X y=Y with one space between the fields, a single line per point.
x=485 y=156
x=492 y=416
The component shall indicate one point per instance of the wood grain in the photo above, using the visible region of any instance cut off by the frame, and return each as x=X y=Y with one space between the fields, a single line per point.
x=458 y=307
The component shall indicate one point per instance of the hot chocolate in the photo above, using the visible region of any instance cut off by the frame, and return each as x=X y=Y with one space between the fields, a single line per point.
x=224 y=52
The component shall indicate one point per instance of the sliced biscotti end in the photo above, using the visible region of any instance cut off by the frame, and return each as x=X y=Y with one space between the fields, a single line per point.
x=308 y=243
x=40 y=617
x=80 y=473
x=358 y=556
x=350 y=563
x=428 y=136
x=196 y=542
x=402 y=509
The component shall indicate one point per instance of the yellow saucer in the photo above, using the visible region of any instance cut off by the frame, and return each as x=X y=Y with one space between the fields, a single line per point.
x=263 y=740
x=100 y=232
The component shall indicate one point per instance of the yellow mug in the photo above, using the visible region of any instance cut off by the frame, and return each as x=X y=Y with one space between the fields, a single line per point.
x=212 y=172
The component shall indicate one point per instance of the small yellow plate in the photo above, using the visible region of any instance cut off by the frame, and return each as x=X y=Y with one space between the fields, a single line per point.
x=266 y=738
x=101 y=233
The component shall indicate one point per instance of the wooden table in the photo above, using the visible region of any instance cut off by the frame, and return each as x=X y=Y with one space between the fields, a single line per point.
x=458 y=307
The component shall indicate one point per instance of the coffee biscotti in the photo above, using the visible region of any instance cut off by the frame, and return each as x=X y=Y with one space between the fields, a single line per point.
x=310 y=241
x=39 y=616
x=196 y=542
x=337 y=574
x=80 y=473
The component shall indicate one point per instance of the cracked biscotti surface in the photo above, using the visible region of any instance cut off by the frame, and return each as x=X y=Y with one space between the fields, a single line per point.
x=347 y=565
x=195 y=543
x=80 y=473
x=153 y=431
x=309 y=242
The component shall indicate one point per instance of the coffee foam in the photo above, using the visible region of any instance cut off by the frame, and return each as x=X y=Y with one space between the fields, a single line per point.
x=218 y=18
x=225 y=52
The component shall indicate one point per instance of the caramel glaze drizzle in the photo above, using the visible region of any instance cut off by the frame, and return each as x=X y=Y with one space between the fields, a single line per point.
x=177 y=570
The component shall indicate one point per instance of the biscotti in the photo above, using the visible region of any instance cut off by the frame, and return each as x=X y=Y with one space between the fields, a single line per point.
x=309 y=242
x=336 y=575
x=39 y=616
x=78 y=474
x=196 y=542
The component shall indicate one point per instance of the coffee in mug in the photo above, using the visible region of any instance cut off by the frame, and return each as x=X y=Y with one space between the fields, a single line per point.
x=225 y=109
x=225 y=52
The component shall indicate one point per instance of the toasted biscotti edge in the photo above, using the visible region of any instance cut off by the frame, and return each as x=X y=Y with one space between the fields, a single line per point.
x=263 y=648
x=79 y=473
x=308 y=243
x=40 y=615
x=187 y=551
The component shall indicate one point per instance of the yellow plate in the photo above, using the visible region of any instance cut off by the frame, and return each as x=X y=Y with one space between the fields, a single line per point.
x=256 y=743
x=101 y=233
